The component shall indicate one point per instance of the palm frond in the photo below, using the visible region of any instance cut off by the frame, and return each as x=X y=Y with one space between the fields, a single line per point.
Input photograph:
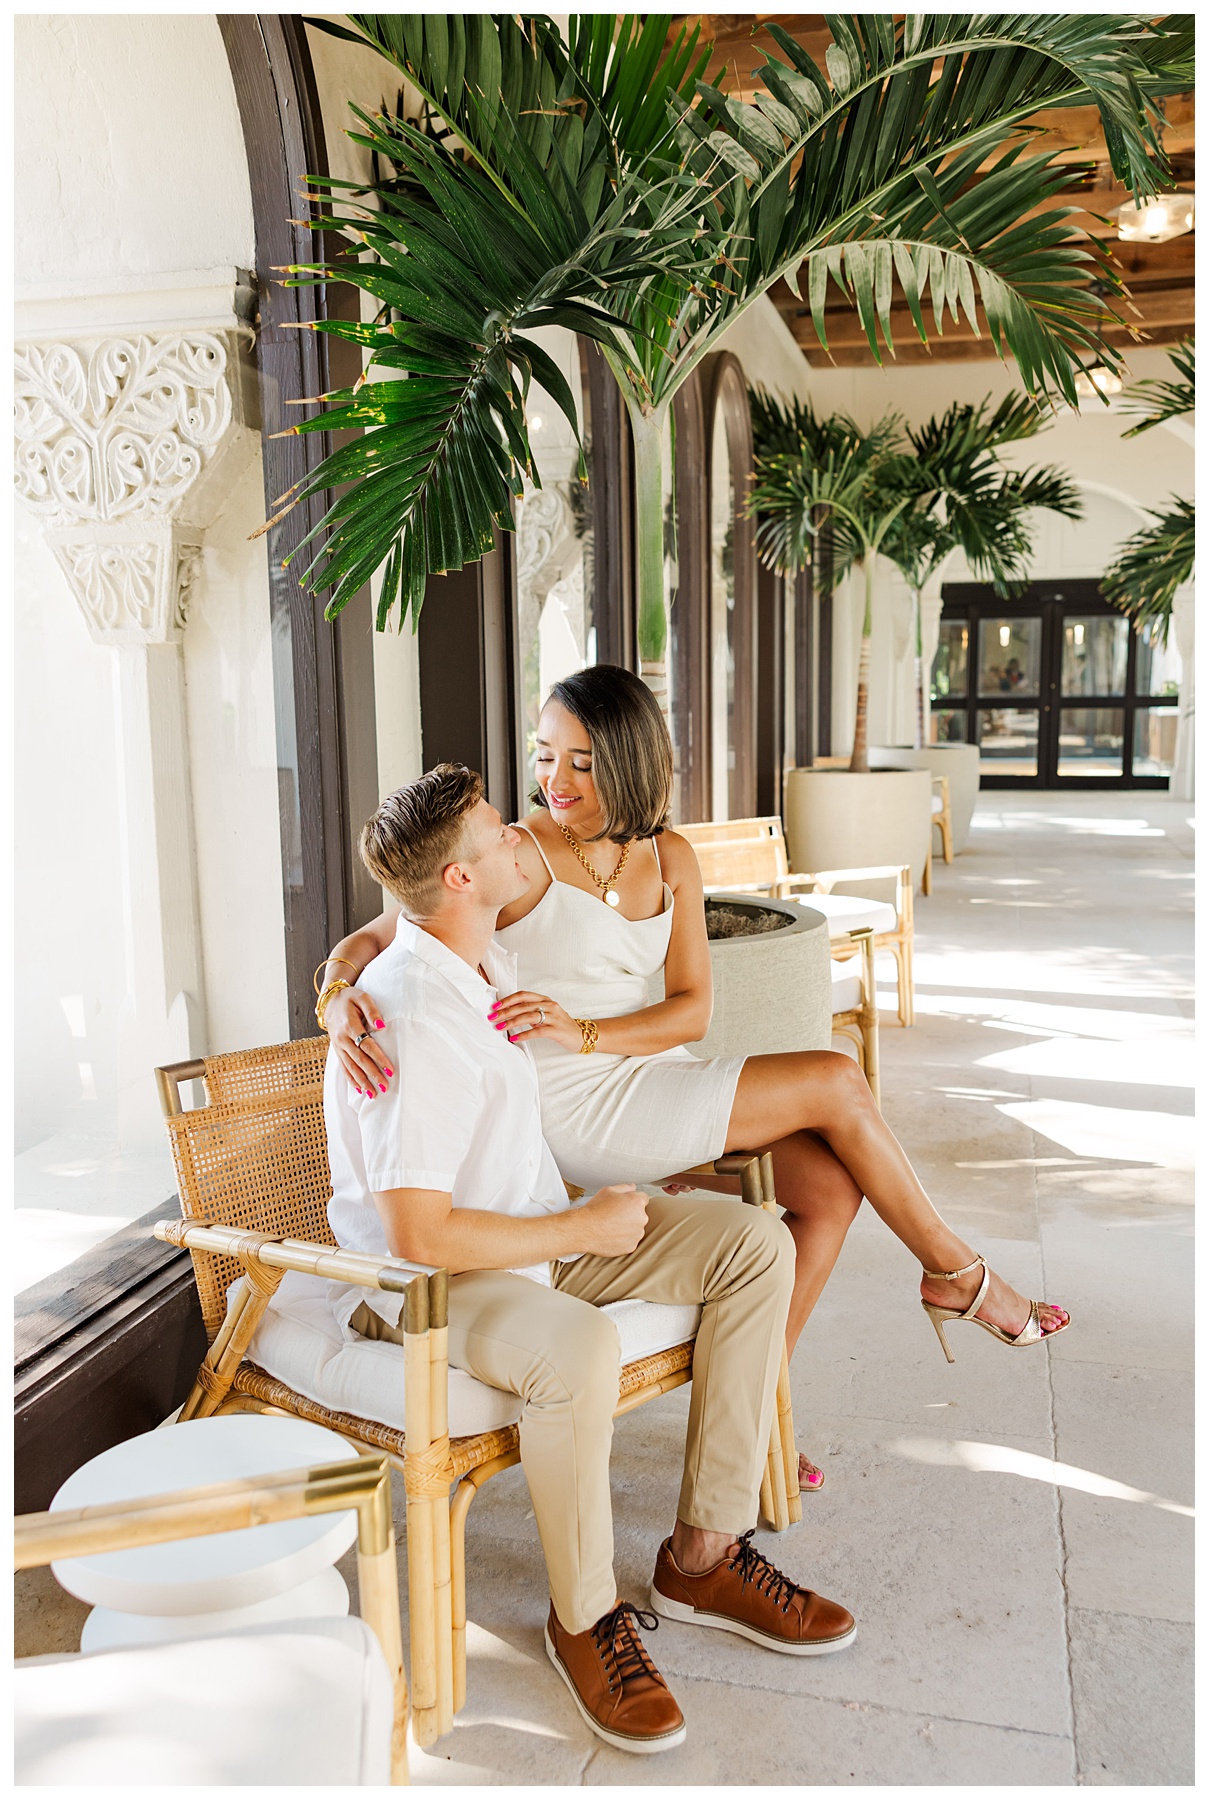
x=1150 y=567
x=1158 y=401
x=460 y=281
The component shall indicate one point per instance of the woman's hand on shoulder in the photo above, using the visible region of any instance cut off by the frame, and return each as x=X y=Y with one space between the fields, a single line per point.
x=349 y=1015
x=528 y=1015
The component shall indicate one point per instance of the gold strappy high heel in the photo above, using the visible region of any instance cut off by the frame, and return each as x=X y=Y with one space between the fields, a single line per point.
x=949 y=1315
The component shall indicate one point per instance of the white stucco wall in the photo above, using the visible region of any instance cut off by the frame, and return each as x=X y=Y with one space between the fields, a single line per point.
x=131 y=180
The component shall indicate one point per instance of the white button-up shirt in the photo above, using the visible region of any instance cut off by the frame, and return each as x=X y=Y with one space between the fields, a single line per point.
x=461 y=1114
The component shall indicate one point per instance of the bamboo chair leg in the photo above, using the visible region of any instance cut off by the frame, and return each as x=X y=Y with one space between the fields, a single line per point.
x=378 y=1588
x=926 y=883
x=438 y=1339
x=459 y=1506
x=908 y=981
x=249 y=1298
x=420 y=1544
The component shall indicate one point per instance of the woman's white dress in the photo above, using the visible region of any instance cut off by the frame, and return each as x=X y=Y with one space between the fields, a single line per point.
x=614 y=1118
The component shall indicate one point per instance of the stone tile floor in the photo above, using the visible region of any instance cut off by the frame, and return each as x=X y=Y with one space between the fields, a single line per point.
x=1013 y=1533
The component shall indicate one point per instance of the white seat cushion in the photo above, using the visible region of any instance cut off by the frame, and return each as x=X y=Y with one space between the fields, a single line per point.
x=308 y=1705
x=845 y=987
x=938 y=804
x=299 y=1342
x=850 y=912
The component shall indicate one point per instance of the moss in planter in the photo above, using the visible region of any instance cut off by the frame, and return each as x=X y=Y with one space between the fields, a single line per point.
x=734 y=921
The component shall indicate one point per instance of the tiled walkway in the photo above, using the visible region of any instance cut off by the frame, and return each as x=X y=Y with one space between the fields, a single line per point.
x=1012 y=1532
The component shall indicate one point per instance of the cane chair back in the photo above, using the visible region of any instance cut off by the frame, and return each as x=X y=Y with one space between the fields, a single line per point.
x=739 y=855
x=255 y=1158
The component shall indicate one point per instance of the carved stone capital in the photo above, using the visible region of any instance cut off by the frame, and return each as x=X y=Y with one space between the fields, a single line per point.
x=125 y=449
x=131 y=580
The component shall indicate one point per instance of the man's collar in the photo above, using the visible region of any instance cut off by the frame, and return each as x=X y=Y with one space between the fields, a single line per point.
x=500 y=964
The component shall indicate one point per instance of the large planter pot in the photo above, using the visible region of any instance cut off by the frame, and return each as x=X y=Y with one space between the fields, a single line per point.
x=960 y=762
x=772 y=991
x=836 y=820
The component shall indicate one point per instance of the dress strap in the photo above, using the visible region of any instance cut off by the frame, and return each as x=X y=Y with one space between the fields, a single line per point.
x=658 y=858
x=540 y=851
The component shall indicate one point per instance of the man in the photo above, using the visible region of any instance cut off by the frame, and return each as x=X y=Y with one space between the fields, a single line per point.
x=448 y=1168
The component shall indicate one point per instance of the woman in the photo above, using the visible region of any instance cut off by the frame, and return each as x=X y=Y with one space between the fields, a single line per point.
x=622 y=1099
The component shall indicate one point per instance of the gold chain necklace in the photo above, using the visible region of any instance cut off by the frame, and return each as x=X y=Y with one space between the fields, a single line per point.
x=606 y=887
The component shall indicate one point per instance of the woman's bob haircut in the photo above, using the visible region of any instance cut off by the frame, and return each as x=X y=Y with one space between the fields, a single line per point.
x=631 y=751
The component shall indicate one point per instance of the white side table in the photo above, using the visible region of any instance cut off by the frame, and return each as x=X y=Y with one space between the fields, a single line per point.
x=850 y=912
x=203 y=1585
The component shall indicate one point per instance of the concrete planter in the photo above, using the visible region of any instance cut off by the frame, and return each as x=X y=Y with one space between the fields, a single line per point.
x=836 y=820
x=772 y=992
x=960 y=762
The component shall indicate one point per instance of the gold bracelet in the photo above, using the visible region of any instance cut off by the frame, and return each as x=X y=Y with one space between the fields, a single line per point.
x=332 y=988
x=590 y=1031
x=332 y=959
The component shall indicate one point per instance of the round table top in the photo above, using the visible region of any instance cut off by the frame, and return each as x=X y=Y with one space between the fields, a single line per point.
x=223 y=1570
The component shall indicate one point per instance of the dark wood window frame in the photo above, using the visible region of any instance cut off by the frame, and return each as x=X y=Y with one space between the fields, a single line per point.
x=1052 y=601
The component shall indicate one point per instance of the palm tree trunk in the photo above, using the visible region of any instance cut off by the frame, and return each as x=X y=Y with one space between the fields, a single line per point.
x=918 y=599
x=859 y=763
x=651 y=597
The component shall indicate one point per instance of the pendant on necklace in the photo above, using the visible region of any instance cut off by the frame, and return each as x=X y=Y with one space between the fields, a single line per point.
x=611 y=899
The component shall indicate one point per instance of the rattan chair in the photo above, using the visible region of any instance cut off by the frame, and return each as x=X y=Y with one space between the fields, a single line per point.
x=362 y=1484
x=254 y=1186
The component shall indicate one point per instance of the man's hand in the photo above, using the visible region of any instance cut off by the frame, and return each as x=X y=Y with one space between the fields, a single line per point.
x=612 y=1222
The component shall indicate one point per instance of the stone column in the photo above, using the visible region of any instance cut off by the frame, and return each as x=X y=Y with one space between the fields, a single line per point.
x=126 y=447
x=1182 y=617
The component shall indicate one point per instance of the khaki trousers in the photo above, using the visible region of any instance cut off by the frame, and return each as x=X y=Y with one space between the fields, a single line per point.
x=553 y=1348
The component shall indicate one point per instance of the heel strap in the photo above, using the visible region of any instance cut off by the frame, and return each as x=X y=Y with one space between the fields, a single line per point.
x=954 y=1274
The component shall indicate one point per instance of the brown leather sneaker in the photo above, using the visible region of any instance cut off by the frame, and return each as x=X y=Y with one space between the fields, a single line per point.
x=620 y=1693
x=745 y=1593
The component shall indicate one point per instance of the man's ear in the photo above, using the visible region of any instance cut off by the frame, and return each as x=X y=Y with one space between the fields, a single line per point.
x=455 y=877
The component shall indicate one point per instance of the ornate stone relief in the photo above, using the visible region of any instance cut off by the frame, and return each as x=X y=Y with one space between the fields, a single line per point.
x=114 y=441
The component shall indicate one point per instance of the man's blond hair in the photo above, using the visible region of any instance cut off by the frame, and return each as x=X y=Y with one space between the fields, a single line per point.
x=417 y=832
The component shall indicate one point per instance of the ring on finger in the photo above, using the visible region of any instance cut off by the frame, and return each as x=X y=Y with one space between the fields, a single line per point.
x=360 y=1040
x=541 y=1015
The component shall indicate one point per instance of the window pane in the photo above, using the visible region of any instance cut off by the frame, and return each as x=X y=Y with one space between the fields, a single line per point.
x=1008 y=741
x=1093 y=656
x=1159 y=668
x=1154 y=740
x=1009 y=657
x=553 y=552
x=950 y=670
x=1090 y=741
x=947 y=727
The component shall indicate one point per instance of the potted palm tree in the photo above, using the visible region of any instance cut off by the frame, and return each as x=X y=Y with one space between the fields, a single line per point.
x=851 y=485
x=969 y=503
x=596 y=182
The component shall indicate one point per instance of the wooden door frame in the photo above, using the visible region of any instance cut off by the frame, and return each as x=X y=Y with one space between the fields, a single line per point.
x=323 y=675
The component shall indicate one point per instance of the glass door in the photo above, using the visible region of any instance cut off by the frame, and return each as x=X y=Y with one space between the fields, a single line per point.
x=1055 y=689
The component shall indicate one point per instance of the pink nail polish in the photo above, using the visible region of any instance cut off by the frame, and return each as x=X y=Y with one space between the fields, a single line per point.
x=358 y=1090
x=382 y=1087
x=814 y=1480
x=390 y=1071
x=378 y=1024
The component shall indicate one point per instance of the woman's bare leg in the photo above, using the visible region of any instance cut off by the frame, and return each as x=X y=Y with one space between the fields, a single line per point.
x=824 y=1092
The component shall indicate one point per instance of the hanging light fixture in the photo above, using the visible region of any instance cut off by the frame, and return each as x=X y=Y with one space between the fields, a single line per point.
x=1097 y=381
x=1155 y=221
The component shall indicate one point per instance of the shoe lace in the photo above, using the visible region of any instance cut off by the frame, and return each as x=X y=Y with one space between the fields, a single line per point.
x=623 y=1650
x=765 y=1577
